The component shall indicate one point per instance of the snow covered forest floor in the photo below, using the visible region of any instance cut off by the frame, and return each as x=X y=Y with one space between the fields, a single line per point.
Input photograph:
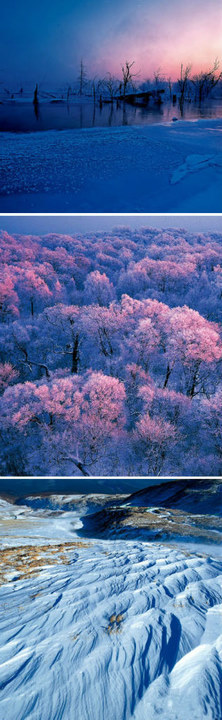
x=111 y=628
x=169 y=167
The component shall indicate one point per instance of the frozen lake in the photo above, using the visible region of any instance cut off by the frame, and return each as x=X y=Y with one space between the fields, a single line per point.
x=22 y=116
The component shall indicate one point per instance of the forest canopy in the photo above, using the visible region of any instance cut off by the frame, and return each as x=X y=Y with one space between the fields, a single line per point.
x=111 y=353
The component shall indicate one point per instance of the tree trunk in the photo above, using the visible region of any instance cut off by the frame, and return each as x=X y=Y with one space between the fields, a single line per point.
x=78 y=464
x=191 y=390
x=168 y=373
x=75 y=355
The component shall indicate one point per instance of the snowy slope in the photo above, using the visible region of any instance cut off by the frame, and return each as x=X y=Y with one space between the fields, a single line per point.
x=197 y=496
x=100 y=629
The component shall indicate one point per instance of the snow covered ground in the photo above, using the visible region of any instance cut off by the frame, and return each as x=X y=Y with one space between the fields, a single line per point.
x=171 y=167
x=104 y=629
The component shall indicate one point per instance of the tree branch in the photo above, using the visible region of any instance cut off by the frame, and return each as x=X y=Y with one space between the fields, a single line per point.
x=78 y=464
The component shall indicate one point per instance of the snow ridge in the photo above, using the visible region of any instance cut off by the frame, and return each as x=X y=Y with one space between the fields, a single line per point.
x=125 y=630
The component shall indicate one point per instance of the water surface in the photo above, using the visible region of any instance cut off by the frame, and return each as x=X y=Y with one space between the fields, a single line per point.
x=18 y=116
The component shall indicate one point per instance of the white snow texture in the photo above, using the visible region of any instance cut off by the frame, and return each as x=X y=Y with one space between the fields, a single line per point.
x=126 y=630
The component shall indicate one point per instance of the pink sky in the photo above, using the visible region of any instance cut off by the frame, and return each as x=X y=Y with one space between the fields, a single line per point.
x=188 y=34
x=51 y=38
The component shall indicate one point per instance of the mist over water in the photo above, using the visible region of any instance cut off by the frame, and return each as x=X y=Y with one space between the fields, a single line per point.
x=23 y=117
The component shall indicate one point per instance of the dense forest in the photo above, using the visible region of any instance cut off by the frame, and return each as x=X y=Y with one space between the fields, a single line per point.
x=111 y=353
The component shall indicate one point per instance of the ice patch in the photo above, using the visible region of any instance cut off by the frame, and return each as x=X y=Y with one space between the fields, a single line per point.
x=193 y=163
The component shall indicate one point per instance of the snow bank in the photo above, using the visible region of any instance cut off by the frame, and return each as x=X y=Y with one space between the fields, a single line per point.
x=159 y=168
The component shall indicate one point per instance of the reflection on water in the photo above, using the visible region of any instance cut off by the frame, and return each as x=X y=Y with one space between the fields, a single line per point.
x=36 y=110
x=26 y=117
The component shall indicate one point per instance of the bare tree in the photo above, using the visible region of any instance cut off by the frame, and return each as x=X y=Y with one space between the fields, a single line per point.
x=158 y=80
x=127 y=76
x=204 y=83
x=183 y=81
x=110 y=85
x=169 y=82
x=96 y=88
x=157 y=77
x=82 y=79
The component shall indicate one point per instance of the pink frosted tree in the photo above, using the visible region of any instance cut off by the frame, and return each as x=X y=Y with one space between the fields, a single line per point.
x=82 y=413
x=61 y=324
x=153 y=439
x=212 y=425
x=195 y=343
x=144 y=343
x=135 y=379
x=98 y=288
x=9 y=300
x=102 y=331
x=8 y=375
x=32 y=288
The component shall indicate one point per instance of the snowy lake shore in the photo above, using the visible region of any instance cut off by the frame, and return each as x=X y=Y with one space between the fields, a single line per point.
x=106 y=628
x=169 y=167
